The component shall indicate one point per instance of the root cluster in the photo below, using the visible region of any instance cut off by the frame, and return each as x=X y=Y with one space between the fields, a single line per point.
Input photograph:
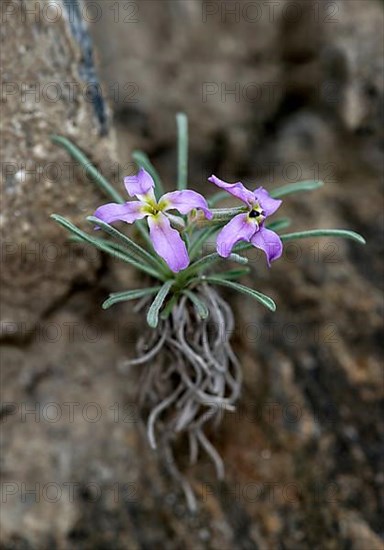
x=191 y=376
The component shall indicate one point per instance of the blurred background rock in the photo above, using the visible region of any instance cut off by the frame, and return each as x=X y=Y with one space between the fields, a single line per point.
x=275 y=92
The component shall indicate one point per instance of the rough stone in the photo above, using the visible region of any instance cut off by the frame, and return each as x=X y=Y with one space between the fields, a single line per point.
x=303 y=452
x=43 y=94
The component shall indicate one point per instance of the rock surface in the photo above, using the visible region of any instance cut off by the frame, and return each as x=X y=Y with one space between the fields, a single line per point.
x=303 y=452
x=48 y=91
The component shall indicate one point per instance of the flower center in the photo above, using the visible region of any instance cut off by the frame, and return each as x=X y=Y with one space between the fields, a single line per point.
x=254 y=214
x=151 y=206
x=257 y=213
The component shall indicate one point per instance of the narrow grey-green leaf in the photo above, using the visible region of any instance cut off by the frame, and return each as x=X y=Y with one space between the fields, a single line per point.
x=200 y=306
x=135 y=249
x=182 y=150
x=296 y=188
x=243 y=245
x=114 y=250
x=103 y=184
x=281 y=223
x=153 y=312
x=143 y=230
x=169 y=307
x=207 y=261
x=218 y=197
x=143 y=161
x=84 y=161
x=115 y=246
x=262 y=298
x=343 y=233
x=204 y=235
x=233 y=273
x=128 y=295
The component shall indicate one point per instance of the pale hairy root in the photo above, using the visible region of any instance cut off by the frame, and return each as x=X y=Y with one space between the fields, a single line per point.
x=191 y=376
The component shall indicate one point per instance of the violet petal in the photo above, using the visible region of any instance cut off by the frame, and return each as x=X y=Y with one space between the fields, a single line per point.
x=236 y=189
x=269 y=242
x=128 y=212
x=168 y=243
x=185 y=201
x=240 y=228
x=267 y=203
x=140 y=184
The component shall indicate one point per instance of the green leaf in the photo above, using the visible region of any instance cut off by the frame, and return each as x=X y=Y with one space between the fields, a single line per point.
x=143 y=230
x=233 y=273
x=240 y=247
x=182 y=154
x=186 y=238
x=153 y=313
x=200 y=306
x=262 y=298
x=203 y=236
x=207 y=261
x=106 y=242
x=84 y=161
x=218 y=197
x=127 y=295
x=133 y=248
x=114 y=250
x=143 y=161
x=226 y=214
x=281 y=223
x=344 y=233
x=102 y=183
x=296 y=188
x=169 y=307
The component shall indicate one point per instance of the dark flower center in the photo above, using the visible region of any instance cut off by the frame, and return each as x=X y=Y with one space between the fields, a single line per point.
x=255 y=213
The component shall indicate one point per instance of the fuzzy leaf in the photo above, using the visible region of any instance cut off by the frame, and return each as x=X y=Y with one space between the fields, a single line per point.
x=132 y=247
x=182 y=153
x=204 y=235
x=207 y=261
x=169 y=307
x=153 y=312
x=344 y=233
x=281 y=223
x=127 y=295
x=218 y=197
x=114 y=250
x=98 y=178
x=262 y=298
x=142 y=228
x=200 y=306
x=233 y=273
x=296 y=188
x=84 y=161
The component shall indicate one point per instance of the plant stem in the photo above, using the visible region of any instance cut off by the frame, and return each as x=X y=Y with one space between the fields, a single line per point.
x=220 y=215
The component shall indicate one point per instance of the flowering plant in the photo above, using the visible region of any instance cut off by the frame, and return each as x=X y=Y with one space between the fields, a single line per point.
x=191 y=371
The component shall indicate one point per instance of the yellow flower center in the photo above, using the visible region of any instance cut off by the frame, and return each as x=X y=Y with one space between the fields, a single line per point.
x=151 y=206
x=256 y=213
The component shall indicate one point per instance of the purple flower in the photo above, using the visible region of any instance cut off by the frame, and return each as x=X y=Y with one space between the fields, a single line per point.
x=249 y=226
x=166 y=240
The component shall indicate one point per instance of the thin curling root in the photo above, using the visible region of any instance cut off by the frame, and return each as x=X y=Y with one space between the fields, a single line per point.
x=191 y=377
